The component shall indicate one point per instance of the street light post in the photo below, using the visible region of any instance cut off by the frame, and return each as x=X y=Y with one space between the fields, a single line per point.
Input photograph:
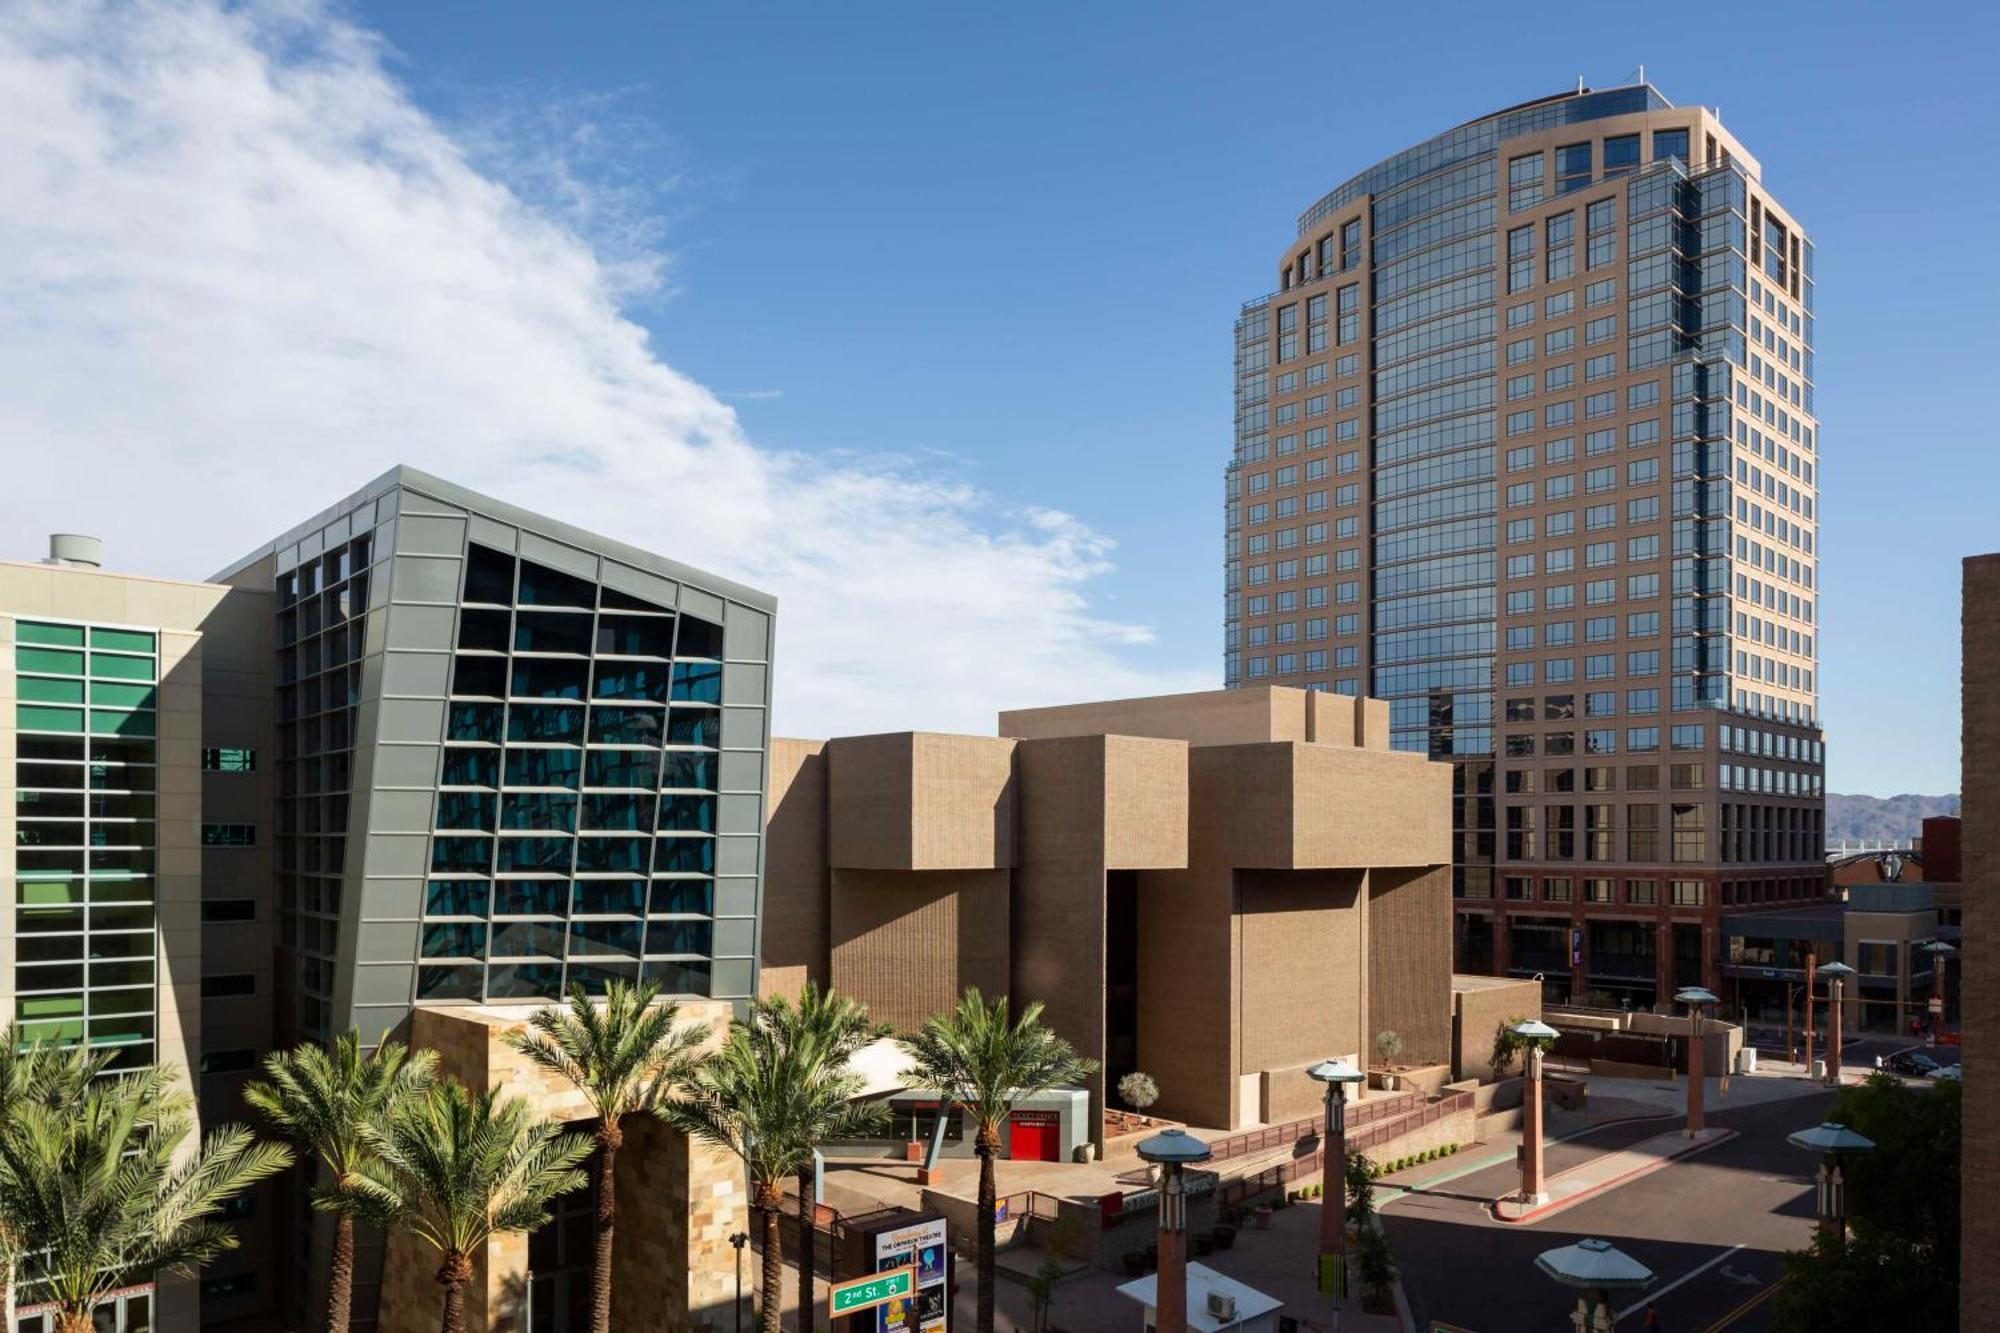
x=738 y=1241
x=1336 y=1075
x=1941 y=953
x=1694 y=997
x=1172 y=1150
x=1596 y=1268
x=1835 y=972
x=1832 y=1141
x=1536 y=1033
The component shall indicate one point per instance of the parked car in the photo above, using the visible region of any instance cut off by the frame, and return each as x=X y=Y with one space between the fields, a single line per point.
x=1914 y=1063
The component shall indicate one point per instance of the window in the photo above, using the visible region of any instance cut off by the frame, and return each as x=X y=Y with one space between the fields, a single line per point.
x=222 y=910
x=1524 y=179
x=1670 y=143
x=228 y=984
x=1621 y=155
x=228 y=760
x=1573 y=162
x=229 y=835
x=229 y=1062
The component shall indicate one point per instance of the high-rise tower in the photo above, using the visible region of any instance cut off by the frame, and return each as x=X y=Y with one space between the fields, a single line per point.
x=1525 y=444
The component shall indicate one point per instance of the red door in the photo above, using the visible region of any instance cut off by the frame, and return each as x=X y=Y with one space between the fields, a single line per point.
x=1036 y=1136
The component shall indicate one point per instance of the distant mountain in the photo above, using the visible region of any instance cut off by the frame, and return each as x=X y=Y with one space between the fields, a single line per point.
x=1882 y=818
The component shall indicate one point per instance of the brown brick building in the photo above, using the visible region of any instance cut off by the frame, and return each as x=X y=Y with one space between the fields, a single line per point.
x=1979 y=997
x=1525 y=445
x=1220 y=889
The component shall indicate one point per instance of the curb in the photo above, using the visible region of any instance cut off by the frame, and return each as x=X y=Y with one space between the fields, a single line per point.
x=1404 y=1190
x=1643 y=1169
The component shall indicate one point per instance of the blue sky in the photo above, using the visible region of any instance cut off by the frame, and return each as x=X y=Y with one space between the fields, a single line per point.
x=1017 y=235
x=969 y=266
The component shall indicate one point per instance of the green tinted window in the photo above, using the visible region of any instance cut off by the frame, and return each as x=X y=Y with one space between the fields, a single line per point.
x=50 y=660
x=121 y=668
x=37 y=690
x=28 y=717
x=123 y=696
x=106 y=723
x=124 y=640
x=40 y=891
x=50 y=1006
x=65 y=636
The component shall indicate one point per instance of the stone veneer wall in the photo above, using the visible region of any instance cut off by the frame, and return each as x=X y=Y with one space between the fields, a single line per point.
x=678 y=1203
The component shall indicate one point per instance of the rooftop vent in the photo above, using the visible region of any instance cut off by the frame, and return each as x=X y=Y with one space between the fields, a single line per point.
x=74 y=551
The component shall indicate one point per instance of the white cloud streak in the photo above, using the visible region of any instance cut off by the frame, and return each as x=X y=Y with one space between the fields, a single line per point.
x=241 y=272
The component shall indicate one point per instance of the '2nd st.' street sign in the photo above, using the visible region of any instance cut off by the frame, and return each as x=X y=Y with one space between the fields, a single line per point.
x=865 y=1293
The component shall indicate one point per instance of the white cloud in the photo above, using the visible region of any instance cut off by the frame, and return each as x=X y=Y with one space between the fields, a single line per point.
x=241 y=272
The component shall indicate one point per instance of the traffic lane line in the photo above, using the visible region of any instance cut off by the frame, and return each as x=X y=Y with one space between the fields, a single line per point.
x=1742 y=1311
x=1682 y=1280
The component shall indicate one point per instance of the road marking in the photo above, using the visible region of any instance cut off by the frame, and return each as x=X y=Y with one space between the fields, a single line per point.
x=1740 y=1311
x=1729 y=1274
x=1654 y=1295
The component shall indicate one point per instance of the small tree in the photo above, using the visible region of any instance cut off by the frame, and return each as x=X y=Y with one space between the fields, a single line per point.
x=1360 y=1190
x=457 y=1168
x=623 y=1057
x=323 y=1101
x=1138 y=1090
x=1377 y=1264
x=1388 y=1045
x=1507 y=1044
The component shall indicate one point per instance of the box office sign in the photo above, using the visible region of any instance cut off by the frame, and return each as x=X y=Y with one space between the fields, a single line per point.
x=920 y=1246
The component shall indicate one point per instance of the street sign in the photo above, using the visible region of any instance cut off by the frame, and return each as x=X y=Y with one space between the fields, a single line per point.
x=1937 y=1004
x=865 y=1293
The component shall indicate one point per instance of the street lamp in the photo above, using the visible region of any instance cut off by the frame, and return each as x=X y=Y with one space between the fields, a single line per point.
x=1694 y=997
x=1941 y=953
x=1835 y=973
x=1536 y=1033
x=1832 y=1141
x=1172 y=1149
x=1596 y=1268
x=1336 y=1075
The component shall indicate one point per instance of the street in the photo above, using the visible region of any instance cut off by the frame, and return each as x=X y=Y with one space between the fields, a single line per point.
x=1711 y=1228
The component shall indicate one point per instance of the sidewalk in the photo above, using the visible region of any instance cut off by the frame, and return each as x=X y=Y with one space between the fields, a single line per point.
x=1606 y=1172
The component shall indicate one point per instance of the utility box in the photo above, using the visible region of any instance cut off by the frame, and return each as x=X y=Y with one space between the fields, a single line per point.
x=1746 y=1060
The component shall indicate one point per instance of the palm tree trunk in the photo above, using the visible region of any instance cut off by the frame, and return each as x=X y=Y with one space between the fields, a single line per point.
x=340 y=1276
x=806 y=1220
x=452 y=1275
x=609 y=1137
x=772 y=1287
x=988 y=1145
x=73 y=1321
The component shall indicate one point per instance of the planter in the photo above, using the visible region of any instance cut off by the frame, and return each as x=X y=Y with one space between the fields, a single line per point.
x=1224 y=1237
x=913 y=1152
x=1203 y=1244
x=1263 y=1216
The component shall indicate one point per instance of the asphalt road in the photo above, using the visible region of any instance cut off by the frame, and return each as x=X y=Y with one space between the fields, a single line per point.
x=1711 y=1227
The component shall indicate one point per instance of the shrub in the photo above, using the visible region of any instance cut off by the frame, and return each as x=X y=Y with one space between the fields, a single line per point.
x=1377 y=1264
x=1138 y=1090
x=1388 y=1045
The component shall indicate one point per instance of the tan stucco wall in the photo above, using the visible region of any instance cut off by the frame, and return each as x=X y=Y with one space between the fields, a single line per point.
x=1409 y=961
x=907 y=942
x=1479 y=1004
x=921 y=801
x=797 y=885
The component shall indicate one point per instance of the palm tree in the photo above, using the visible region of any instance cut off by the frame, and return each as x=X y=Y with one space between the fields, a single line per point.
x=981 y=1062
x=93 y=1180
x=770 y=1101
x=624 y=1058
x=831 y=1028
x=322 y=1101
x=54 y=1076
x=456 y=1168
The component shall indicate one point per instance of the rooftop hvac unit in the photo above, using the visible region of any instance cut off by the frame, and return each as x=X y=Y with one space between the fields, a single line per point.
x=1222 y=1306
